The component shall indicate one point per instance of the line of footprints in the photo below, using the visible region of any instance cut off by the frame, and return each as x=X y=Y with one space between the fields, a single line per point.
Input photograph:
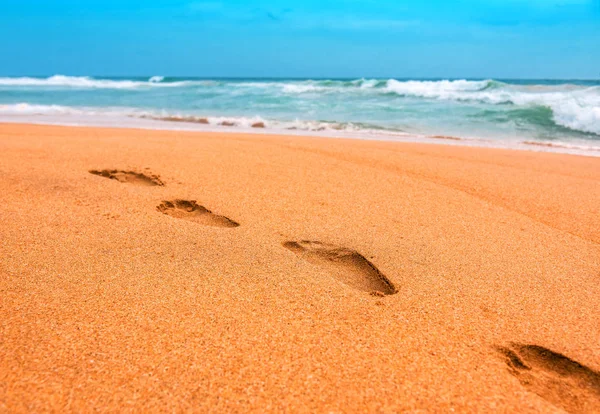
x=558 y=379
x=346 y=265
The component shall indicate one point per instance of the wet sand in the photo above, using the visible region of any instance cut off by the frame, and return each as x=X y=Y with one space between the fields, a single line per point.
x=230 y=272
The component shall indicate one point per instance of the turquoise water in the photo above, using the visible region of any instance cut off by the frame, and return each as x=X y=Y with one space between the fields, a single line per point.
x=561 y=114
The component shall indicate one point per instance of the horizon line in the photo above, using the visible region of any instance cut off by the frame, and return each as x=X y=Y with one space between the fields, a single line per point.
x=313 y=77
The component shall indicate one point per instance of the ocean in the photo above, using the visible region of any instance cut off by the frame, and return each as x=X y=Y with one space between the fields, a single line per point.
x=543 y=115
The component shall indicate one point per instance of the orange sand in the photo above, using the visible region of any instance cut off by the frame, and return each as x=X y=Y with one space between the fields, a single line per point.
x=108 y=304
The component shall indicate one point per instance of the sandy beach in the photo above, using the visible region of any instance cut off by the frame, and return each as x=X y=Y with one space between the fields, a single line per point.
x=145 y=271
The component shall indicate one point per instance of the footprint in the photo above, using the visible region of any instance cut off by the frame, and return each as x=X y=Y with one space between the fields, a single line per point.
x=556 y=378
x=346 y=265
x=190 y=210
x=130 y=177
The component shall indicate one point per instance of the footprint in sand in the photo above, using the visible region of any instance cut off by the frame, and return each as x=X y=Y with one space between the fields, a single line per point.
x=190 y=210
x=345 y=265
x=556 y=378
x=131 y=177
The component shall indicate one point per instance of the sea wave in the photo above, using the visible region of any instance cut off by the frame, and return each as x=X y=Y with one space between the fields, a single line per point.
x=574 y=106
x=119 y=116
x=31 y=109
x=303 y=88
x=444 y=89
x=562 y=145
x=242 y=122
x=329 y=86
x=425 y=89
x=578 y=110
x=259 y=122
x=571 y=106
x=87 y=82
x=573 y=115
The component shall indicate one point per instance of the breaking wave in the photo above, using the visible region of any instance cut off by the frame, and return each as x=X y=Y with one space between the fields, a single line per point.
x=87 y=82
x=120 y=115
x=571 y=106
x=25 y=109
x=539 y=110
x=444 y=89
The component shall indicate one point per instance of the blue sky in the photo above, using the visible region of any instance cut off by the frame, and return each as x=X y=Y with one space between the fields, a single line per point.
x=302 y=38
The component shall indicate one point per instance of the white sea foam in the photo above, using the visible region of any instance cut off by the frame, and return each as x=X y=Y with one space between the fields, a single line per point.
x=47 y=111
x=70 y=81
x=444 y=89
x=485 y=108
x=134 y=117
x=28 y=109
x=301 y=88
x=575 y=109
x=87 y=82
x=575 y=116
x=573 y=106
x=367 y=83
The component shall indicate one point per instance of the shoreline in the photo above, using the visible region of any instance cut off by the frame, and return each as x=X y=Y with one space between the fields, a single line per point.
x=147 y=270
x=151 y=124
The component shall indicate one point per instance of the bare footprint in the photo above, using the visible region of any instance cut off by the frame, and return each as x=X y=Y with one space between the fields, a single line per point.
x=130 y=177
x=556 y=378
x=190 y=210
x=345 y=265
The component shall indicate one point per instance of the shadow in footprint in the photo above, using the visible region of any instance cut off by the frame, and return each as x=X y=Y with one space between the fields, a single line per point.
x=345 y=265
x=556 y=378
x=131 y=177
x=190 y=210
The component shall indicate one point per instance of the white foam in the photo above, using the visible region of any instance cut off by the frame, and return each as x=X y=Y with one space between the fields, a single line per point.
x=368 y=83
x=87 y=82
x=29 y=109
x=243 y=122
x=134 y=118
x=575 y=116
x=444 y=89
x=358 y=85
x=573 y=106
x=299 y=88
x=575 y=109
